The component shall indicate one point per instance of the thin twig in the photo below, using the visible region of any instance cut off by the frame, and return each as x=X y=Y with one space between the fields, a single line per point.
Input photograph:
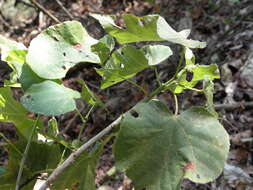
x=44 y=10
x=22 y=163
x=234 y=105
x=65 y=10
x=71 y=159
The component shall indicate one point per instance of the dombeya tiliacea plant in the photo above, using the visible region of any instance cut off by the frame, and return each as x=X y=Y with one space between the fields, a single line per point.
x=154 y=146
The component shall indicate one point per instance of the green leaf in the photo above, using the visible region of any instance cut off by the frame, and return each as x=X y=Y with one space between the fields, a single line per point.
x=13 y=111
x=156 y=54
x=146 y=28
x=49 y=98
x=108 y=41
x=15 y=59
x=28 y=77
x=53 y=127
x=128 y=61
x=166 y=32
x=199 y=72
x=88 y=95
x=22 y=73
x=104 y=47
x=40 y=157
x=60 y=47
x=7 y=45
x=81 y=173
x=157 y=149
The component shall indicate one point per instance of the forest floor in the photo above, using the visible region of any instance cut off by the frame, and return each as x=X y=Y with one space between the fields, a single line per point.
x=226 y=26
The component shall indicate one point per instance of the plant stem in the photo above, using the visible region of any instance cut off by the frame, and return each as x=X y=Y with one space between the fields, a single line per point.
x=176 y=104
x=84 y=120
x=180 y=62
x=22 y=163
x=138 y=86
x=157 y=76
x=11 y=144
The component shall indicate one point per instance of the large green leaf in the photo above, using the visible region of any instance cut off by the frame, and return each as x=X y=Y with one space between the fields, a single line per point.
x=13 y=111
x=81 y=173
x=41 y=157
x=60 y=47
x=157 y=149
x=137 y=28
x=146 y=28
x=128 y=60
x=49 y=98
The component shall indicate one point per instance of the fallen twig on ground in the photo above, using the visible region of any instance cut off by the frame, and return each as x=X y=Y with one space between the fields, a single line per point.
x=43 y=9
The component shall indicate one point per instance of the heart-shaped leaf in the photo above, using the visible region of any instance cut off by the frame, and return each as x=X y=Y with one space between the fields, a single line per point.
x=128 y=61
x=49 y=98
x=60 y=47
x=146 y=28
x=157 y=149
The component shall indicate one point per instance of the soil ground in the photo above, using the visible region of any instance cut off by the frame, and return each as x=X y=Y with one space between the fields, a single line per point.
x=226 y=26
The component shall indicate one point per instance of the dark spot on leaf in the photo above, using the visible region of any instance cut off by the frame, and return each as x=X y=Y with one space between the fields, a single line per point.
x=55 y=38
x=28 y=96
x=134 y=113
x=189 y=76
x=64 y=54
x=64 y=67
